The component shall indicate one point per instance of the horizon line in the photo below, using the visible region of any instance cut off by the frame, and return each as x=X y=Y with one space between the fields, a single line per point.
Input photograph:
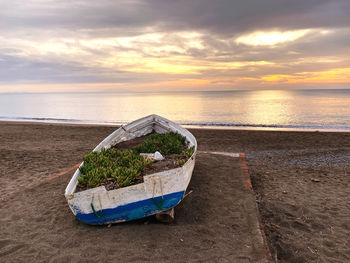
x=166 y=91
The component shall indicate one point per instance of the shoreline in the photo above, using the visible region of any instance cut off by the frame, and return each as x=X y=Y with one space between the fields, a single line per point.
x=200 y=127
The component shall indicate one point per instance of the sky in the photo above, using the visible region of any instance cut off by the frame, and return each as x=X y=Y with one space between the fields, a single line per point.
x=173 y=45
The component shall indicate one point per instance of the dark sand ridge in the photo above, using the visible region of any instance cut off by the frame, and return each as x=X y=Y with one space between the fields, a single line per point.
x=216 y=223
x=305 y=221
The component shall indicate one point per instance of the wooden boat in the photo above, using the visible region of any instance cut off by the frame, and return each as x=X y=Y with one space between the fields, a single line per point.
x=159 y=192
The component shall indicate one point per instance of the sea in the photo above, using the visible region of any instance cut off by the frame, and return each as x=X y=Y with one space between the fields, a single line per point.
x=313 y=110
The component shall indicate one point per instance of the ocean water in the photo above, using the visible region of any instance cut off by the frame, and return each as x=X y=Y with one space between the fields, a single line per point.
x=257 y=109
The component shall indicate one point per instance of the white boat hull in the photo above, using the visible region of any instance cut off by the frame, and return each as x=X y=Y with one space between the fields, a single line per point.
x=159 y=192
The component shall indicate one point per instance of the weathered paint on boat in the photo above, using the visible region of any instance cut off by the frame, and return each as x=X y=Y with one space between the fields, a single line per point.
x=133 y=210
x=159 y=192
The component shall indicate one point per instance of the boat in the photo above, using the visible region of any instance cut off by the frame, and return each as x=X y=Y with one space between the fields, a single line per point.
x=157 y=193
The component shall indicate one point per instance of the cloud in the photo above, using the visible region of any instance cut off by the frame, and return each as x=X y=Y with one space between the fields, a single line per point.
x=222 y=16
x=172 y=43
x=272 y=38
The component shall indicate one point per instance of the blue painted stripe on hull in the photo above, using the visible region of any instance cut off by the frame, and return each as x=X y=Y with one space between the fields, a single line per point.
x=133 y=211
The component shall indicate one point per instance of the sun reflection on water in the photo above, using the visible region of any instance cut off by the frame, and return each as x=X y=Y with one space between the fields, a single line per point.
x=269 y=107
x=259 y=108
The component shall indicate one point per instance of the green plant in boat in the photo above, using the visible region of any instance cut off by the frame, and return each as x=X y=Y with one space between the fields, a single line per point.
x=166 y=143
x=184 y=156
x=124 y=167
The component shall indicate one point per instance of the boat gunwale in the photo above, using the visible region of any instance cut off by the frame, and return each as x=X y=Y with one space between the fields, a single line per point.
x=154 y=119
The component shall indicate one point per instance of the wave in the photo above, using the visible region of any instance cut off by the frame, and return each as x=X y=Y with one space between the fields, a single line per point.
x=249 y=125
x=60 y=120
x=185 y=123
x=39 y=119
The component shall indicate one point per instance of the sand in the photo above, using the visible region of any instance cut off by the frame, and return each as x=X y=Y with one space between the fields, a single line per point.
x=301 y=181
x=305 y=220
x=217 y=222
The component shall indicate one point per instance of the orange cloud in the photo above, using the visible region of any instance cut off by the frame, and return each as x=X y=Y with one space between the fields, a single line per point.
x=338 y=75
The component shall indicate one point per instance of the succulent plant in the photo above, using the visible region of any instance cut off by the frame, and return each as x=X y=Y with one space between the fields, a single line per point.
x=125 y=167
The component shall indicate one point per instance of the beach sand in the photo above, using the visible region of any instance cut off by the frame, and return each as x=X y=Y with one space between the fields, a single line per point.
x=301 y=181
x=302 y=185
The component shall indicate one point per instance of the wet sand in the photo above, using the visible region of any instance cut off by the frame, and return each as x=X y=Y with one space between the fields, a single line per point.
x=301 y=181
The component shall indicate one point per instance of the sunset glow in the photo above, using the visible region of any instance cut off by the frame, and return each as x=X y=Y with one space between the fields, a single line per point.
x=339 y=75
x=146 y=51
x=270 y=38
